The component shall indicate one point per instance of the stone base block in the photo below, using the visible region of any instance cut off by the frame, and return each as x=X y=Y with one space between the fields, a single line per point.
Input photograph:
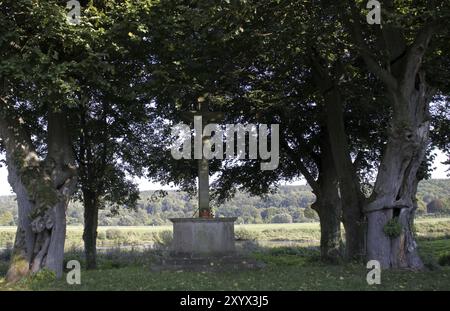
x=203 y=237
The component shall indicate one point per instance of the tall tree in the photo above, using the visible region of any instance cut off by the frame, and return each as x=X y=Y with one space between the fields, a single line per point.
x=111 y=127
x=37 y=91
x=54 y=76
x=319 y=92
x=402 y=43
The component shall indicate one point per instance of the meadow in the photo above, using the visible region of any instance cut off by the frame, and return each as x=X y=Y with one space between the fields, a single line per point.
x=289 y=253
x=116 y=236
x=308 y=233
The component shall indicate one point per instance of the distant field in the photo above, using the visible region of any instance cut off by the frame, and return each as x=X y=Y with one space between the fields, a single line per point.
x=258 y=227
x=142 y=235
x=110 y=236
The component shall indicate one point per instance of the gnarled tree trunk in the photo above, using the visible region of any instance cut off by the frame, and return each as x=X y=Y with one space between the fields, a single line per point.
x=43 y=189
x=393 y=198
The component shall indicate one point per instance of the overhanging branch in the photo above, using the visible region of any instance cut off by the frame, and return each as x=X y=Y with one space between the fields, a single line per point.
x=356 y=31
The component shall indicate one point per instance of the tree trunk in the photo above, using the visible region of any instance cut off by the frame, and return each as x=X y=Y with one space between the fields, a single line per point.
x=25 y=237
x=43 y=189
x=394 y=193
x=393 y=198
x=90 y=228
x=328 y=206
x=352 y=199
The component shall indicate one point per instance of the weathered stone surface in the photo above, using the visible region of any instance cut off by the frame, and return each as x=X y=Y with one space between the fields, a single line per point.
x=203 y=237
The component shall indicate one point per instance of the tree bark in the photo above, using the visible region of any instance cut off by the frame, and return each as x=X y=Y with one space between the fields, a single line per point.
x=352 y=199
x=43 y=189
x=330 y=230
x=396 y=185
x=328 y=207
x=395 y=188
x=350 y=190
x=405 y=86
x=325 y=188
x=90 y=227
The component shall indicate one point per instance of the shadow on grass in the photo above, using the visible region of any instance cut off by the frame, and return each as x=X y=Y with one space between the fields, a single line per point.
x=287 y=268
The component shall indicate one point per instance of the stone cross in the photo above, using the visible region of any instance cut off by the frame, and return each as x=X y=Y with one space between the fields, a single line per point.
x=203 y=165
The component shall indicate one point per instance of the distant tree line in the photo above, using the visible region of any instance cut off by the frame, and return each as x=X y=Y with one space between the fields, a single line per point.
x=289 y=204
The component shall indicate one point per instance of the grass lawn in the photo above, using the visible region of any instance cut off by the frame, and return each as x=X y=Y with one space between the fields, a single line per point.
x=287 y=268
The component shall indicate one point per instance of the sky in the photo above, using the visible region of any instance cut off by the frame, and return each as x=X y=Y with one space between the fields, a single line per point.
x=5 y=189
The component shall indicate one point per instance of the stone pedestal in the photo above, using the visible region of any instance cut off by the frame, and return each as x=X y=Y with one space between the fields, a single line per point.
x=203 y=237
